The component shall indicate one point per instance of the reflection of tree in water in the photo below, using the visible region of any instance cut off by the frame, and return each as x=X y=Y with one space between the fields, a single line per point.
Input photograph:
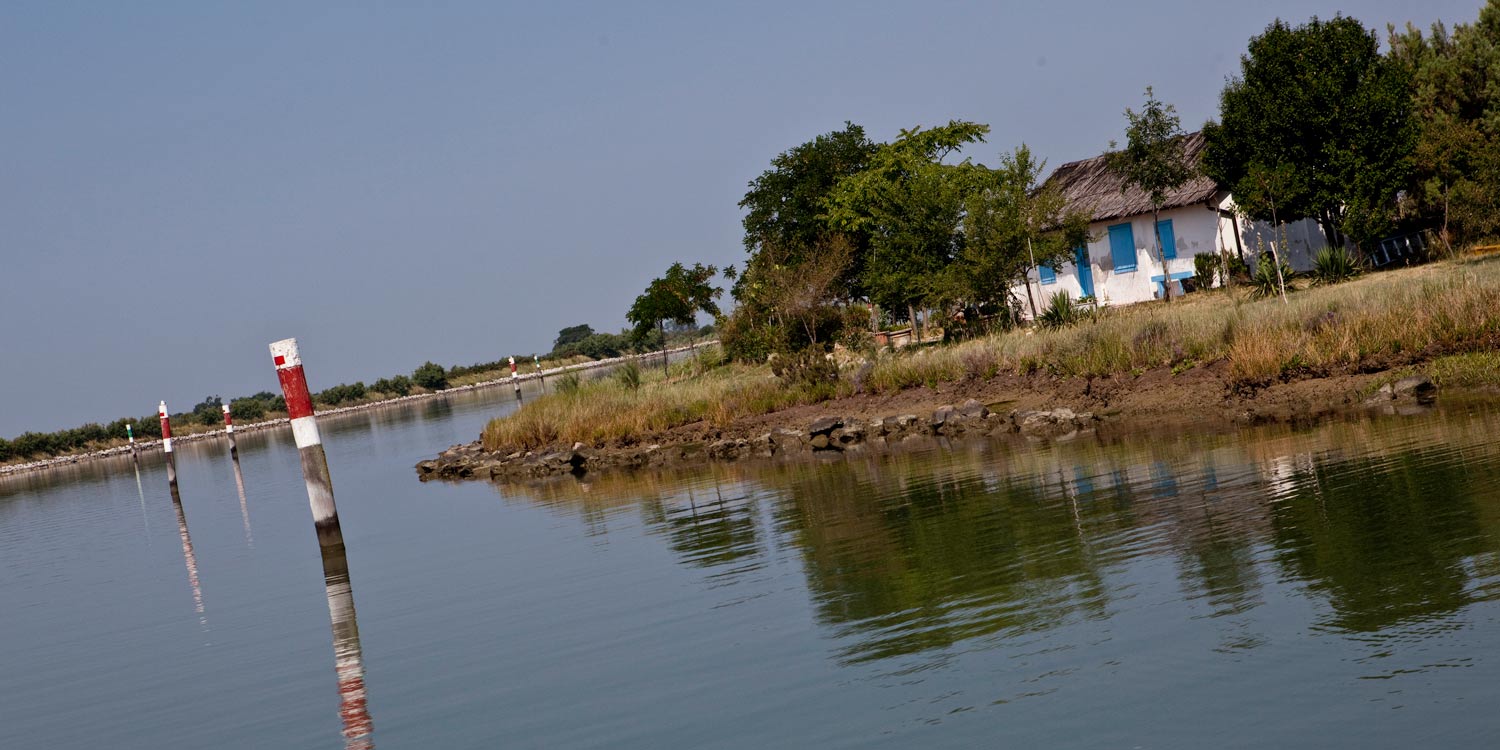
x=436 y=408
x=1386 y=539
x=944 y=559
x=706 y=534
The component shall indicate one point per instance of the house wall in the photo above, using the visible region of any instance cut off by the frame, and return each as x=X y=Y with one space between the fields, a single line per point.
x=1197 y=228
x=1298 y=246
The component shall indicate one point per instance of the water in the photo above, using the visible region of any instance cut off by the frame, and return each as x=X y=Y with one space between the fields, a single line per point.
x=1269 y=588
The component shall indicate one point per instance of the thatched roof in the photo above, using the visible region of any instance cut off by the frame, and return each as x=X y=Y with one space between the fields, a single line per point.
x=1091 y=186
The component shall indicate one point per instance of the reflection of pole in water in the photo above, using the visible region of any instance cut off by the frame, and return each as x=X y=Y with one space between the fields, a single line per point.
x=348 y=659
x=187 y=555
x=145 y=519
x=239 y=484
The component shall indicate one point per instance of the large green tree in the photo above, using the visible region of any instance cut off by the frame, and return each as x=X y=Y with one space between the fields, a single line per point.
x=1455 y=91
x=1320 y=99
x=1153 y=161
x=785 y=206
x=1013 y=224
x=910 y=203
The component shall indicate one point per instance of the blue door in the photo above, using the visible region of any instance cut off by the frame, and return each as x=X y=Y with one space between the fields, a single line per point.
x=1168 y=239
x=1085 y=271
x=1122 y=247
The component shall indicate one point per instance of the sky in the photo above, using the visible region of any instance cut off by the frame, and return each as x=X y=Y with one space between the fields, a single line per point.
x=183 y=183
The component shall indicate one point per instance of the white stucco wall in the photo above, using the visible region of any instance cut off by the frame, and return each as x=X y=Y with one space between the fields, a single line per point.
x=1197 y=230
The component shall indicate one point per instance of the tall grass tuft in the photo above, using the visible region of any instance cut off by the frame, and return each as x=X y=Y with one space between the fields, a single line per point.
x=629 y=376
x=1334 y=265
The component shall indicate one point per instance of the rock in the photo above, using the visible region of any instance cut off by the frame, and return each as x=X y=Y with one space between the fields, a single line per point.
x=853 y=432
x=940 y=417
x=972 y=409
x=787 y=440
x=1418 y=387
x=824 y=425
x=819 y=442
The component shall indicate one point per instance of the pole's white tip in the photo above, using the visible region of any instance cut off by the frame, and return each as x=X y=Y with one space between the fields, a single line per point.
x=225 y=407
x=161 y=408
x=284 y=354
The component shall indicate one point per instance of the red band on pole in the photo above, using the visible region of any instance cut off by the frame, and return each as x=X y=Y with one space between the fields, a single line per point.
x=166 y=425
x=227 y=420
x=294 y=387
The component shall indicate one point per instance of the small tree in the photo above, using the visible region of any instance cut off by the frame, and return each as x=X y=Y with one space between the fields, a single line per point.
x=430 y=376
x=677 y=296
x=1154 y=161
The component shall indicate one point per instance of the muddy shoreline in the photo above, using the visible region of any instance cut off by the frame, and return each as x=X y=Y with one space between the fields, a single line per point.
x=1031 y=408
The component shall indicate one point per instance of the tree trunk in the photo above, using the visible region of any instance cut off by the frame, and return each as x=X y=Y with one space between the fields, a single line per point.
x=1161 y=255
x=662 y=325
x=1276 y=256
x=1027 y=281
x=911 y=317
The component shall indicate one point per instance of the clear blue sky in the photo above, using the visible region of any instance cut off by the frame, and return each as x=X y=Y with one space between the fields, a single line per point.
x=183 y=183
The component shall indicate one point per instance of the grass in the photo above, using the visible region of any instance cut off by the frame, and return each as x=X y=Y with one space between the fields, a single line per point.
x=1445 y=315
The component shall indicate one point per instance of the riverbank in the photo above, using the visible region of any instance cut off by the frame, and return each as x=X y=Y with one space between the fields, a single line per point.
x=218 y=433
x=1210 y=361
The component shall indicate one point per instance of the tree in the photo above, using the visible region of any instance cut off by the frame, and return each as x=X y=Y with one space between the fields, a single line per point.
x=1013 y=225
x=1321 y=100
x=1455 y=97
x=785 y=205
x=678 y=296
x=430 y=376
x=910 y=204
x=1153 y=160
x=572 y=334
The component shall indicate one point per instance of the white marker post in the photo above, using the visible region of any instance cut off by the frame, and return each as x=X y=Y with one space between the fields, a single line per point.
x=309 y=444
x=166 y=445
x=539 y=374
x=234 y=450
x=130 y=435
x=515 y=379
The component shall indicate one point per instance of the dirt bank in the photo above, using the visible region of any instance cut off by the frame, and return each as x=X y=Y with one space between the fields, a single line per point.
x=1036 y=407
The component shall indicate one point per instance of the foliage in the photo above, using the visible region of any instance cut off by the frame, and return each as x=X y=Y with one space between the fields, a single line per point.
x=677 y=297
x=806 y=368
x=399 y=385
x=1333 y=265
x=209 y=411
x=1318 y=106
x=430 y=376
x=1205 y=268
x=595 y=346
x=910 y=204
x=1153 y=159
x=628 y=375
x=1061 y=312
x=569 y=382
x=341 y=394
x=784 y=221
x=1455 y=99
x=1236 y=269
x=1264 y=282
x=1013 y=224
x=572 y=334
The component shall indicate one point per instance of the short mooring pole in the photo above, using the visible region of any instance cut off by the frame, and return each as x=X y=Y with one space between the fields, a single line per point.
x=309 y=443
x=130 y=435
x=542 y=377
x=515 y=379
x=234 y=450
x=166 y=445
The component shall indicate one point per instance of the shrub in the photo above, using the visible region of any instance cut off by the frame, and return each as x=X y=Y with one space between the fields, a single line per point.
x=430 y=376
x=1333 y=265
x=568 y=383
x=247 y=408
x=209 y=411
x=808 y=367
x=1060 y=312
x=1264 y=283
x=628 y=376
x=1205 y=268
x=1235 y=269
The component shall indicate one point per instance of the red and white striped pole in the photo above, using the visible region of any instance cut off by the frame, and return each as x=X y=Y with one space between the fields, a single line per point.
x=515 y=379
x=166 y=444
x=309 y=444
x=234 y=449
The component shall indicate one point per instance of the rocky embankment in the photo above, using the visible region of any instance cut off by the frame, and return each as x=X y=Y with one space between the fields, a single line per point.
x=825 y=435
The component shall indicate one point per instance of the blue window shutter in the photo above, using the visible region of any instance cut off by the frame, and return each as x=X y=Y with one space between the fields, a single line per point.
x=1168 y=239
x=1048 y=275
x=1122 y=247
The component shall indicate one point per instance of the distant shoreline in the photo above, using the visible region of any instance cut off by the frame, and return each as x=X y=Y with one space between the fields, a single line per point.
x=154 y=445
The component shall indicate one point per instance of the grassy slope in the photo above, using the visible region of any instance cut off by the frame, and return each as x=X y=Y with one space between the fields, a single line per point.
x=1447 y=314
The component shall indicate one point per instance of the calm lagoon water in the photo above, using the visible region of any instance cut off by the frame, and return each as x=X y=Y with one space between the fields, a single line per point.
x=1285 y=588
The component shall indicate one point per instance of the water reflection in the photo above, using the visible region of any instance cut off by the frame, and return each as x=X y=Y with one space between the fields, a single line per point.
x=1383 y=527
x=348 y=659
x=188 y=558
x=239 y=486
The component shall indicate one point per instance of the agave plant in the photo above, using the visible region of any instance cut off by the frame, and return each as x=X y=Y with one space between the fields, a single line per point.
x=1333 y=265
x=1264 y=282
x=1060 y=312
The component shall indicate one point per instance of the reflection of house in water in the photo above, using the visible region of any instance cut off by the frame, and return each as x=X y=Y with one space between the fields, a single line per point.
x=348 y=658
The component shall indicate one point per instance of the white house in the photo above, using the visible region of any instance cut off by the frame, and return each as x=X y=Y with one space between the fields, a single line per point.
x=1120 y=266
